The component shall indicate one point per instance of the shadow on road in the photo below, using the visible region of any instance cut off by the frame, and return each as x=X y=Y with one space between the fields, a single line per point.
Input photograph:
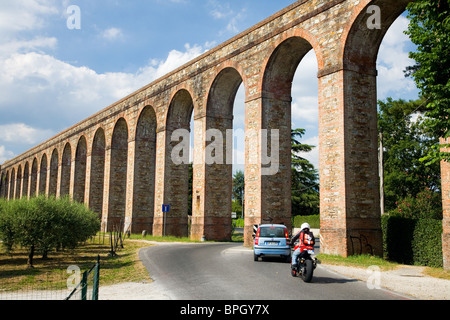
x=327 y=280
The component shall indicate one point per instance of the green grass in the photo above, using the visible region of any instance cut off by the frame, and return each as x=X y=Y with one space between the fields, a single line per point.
x=235 y=237
x=161 y=239
x=361 y=261
x=51 y=274
x=366 y=261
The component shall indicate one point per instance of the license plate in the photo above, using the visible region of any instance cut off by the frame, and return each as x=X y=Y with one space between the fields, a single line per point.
x=272 y=243
x=311 y=251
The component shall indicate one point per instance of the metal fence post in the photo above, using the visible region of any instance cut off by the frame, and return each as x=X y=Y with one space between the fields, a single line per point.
x=84 y=286
x=96 y=280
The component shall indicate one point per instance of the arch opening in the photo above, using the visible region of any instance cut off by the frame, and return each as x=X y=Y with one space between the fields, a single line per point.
x=214 y=173
x=18 y=194
x=97 y=174
x=43 y=175
x=118 y=177
x=176 y=185
x=355 y=213
x=34 y=173
x=80 y=171
x=276 y=117
x=12 y=184
x=26 y=177
x=144 y=172
x=2 y=185
x=66 y=167
x=53 y=182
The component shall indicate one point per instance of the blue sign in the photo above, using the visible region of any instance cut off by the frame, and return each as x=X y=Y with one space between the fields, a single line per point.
x=165 y=208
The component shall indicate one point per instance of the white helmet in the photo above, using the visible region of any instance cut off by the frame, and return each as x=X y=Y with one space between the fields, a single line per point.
x=306 y=226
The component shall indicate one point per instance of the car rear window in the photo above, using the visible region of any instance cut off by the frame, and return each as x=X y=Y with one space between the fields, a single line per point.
x=272 y=232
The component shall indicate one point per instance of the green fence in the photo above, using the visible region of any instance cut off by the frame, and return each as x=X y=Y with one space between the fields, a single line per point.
x=82 y=290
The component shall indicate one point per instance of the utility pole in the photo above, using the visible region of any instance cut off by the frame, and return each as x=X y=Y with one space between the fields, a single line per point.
x=381 y=170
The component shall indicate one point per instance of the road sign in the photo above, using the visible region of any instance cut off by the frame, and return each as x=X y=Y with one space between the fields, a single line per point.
x=165 y=208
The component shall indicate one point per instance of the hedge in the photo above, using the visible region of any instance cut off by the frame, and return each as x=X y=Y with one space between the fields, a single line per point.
x=413 y=241
x=313 y=220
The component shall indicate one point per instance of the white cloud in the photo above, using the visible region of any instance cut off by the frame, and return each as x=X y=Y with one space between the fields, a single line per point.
x=36 y=44
x=36 y=89
x=222 y=10
x=5 y=154
x=111 y=34
x=175 y=59
x=392 y=61
x=22 y=15
x=22 y=133
x=305 y=91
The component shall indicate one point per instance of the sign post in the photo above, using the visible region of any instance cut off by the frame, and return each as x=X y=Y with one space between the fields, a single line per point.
x=165 y=210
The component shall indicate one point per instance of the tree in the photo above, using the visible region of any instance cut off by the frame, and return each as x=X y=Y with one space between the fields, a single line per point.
x=405 y=141
x=239 y=190
x=42 y=224
x=304 y=178
x=429 y=29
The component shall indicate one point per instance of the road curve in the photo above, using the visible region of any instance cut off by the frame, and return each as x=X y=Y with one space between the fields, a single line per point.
x=226 y=271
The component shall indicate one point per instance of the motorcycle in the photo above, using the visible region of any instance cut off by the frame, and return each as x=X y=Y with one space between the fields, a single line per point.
x=306 y=264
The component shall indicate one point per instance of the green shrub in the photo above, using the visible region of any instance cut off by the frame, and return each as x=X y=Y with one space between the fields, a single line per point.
x=413 y=241
x=42 y=224
x=425 y=205
x=238 y=223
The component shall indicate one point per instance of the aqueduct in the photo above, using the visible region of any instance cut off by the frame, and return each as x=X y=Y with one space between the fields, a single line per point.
x=118 y=161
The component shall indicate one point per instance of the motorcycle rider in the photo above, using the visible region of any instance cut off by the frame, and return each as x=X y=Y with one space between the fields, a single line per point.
x=305 y=239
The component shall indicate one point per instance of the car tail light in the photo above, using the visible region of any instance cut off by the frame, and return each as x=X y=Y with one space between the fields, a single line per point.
x=286 y=234
x=257 y=237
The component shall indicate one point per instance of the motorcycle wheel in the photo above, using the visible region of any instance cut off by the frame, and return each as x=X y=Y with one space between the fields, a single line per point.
x=307 y=272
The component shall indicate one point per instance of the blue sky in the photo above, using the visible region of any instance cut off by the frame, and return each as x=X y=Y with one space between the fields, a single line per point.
x=52 y=77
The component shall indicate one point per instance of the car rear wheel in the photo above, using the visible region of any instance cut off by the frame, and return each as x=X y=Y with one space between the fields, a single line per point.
x=255 y=257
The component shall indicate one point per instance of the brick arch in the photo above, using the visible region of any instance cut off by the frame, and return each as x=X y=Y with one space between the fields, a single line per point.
x=53 y=181
x=33 y=180
x=174 y=171
x=306 y=41
x=279 y=69
x=97 y=172
x=19 y=182
x=360 y=45
x=118 y=175
x=180 y=110
x=6 y=185
x=219 y=71
x=211 y=216
x=80 y=170
x=43 y=174
x=26 y=176
x=12 y=183
x=143 y=203
x=222 y=92
x=66 y=167
x=2 y=184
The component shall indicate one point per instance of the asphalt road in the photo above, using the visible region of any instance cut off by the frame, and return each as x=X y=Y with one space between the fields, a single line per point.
x=226 y=271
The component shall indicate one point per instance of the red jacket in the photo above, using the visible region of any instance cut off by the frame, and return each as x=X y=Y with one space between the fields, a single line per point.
x=306 y=239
